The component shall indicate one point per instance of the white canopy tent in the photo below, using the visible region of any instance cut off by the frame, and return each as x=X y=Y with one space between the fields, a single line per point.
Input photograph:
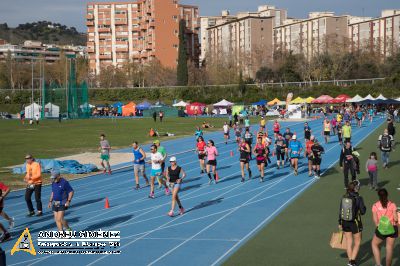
x=355 y=99
x=51 y=110
x=381 y=97
x=32 y=110
x=369 y=97
x=180 y=104
x=223 y=103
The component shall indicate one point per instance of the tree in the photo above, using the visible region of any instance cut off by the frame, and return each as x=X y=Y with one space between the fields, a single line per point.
x=264 y=74
x=242 y=85
x=182 y=70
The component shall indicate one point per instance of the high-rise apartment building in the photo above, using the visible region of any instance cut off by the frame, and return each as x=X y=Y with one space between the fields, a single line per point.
x=320 y=32
x=139 y=31
x=380 y=35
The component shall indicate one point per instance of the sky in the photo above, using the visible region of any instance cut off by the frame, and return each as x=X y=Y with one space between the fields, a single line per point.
x=71 y=12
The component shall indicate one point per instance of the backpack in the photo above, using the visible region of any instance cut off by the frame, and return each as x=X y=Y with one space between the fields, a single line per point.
x=386 y=143
x=348 y=208
x=385 y=227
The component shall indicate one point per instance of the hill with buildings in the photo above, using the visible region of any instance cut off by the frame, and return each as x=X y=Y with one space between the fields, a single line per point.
x=43 y=31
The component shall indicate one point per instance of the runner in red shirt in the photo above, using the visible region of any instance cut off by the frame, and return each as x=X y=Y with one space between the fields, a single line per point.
x=277 y=128
x=200 y=149
x=308 y=154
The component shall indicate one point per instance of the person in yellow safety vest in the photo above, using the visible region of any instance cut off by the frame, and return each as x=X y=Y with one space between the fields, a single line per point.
x=327 y=129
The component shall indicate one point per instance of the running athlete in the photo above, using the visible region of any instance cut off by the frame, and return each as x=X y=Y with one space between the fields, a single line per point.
x=359 y=117
x=198 y=133
x=327 y=130
x=262 y=124
x=317 y=151
x=340 y=133
x=295 y=149
x=307 y=131
x=4 y=190
x=244 y=150
x=247 y=122
x=248 y=137
x=139 y=158
x=226 y=130
x=238 y=132
x=334 y=124
x=371 y=114
x=308 y=154
x=287 y=136
x=212 y=154
x=200 y=149
x=175 y=176
x=105 y=153
x=161 y=150
x=276 y=127
x=339 y=117
x=280 y=147
x=156 y=172
x=260 y=151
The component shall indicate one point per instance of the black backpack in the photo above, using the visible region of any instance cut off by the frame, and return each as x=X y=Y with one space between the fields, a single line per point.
x=386 y=143
x=348 y=208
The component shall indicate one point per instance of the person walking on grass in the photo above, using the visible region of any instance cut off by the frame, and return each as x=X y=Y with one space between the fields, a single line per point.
x=386 y=145
x=156 y=159
x=155 y=116
x=347 y=163
x=33 y=178
x=371 y=167
x=294 y=150
x=244 y=151
x=260 y=150
x=139 y=159
x=212 y=154
x=201 y=153
x=351 y=209
x=60 y=199
x=386 y=221
x=105 y=154
x=175 y=175
x=4 y=190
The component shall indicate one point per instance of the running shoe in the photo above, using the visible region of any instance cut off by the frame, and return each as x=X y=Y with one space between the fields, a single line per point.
x=171 y=214
x=181 y=211
x=295 y=172
x=261 y=179
x=39 y=214
x=137 y=187
x=104 y=171
x=242 y=180
x=202 y=172
x=309 y=174
x=6 y=237
x=316 y=177
x=151 y=196
x=11 y=223
x=110 y=172
x=250 y=175
x=277 y=167
x=166 y=191
x=210 y=182
x=30 y=214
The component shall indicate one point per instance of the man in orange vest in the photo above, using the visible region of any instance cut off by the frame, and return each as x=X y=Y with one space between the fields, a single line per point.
x=33 y=179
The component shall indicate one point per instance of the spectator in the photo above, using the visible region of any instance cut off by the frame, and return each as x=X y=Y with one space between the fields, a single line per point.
x=155 y=116
x=347 y=163
x=371 y=166
x=391 y=128
x=385 y=144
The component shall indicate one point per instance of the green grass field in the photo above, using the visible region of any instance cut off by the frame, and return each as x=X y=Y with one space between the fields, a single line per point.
x=300 y=235
x=50 y=139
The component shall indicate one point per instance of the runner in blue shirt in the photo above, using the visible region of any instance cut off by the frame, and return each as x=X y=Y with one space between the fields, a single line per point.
x=60 y=199
x=295 y=148
x=359 y=117
x=139 y=159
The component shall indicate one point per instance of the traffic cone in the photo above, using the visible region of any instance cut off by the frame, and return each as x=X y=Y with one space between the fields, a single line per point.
x=107 y=204
x=231 y=153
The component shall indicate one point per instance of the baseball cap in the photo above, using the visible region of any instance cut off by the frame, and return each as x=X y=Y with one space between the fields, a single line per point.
x=28 y=156
x=312 y=137
x=172 y=159
x=156 y=141
x=294 y=137
x=55 y=174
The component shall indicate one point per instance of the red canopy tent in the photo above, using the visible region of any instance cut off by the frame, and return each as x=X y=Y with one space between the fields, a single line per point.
x=342 y=98
x=195 y=108
x=323 y=99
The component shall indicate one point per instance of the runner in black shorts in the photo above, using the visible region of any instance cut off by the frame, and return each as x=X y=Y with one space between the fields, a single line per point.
x=201 y=151
x=280 y=146
x=245 y=151
x=260 y=151
x=317 y=150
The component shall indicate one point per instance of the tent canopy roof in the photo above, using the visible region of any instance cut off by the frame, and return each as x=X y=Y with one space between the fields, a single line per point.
x=223 y=103
x=298 y=100
x=274 y=101
x=323 y=99
x=180 y=104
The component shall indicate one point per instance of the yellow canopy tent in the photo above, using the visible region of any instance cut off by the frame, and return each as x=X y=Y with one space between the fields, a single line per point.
x=298 y=100
x=309 y=99
x=274 y=101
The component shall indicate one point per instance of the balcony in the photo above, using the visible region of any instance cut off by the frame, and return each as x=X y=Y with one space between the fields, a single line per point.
x=89 y=23
x=89 y=16
x=149 y=47
x=104 y=29
x=121 y=22
x=90 y=49
x=105 y=56
x=122 y=49
x=120 y=16
x=152 y=24
x=121 y=43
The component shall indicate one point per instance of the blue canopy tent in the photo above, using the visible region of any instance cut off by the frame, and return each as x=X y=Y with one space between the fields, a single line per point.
x=143 y=106
x=261 y=102
x=387 y=101
x=117 y=105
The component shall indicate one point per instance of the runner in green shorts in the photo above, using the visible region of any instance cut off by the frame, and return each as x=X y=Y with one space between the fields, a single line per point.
x=105 y=153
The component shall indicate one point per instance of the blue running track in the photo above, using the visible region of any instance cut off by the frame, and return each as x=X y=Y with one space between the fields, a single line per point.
x=219 y=218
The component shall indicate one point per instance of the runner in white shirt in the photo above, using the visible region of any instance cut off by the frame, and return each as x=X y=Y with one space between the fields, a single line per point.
x=226 y=132
x=156 y=161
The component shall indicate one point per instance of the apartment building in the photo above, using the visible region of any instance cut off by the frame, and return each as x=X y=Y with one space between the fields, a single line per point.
x=318 y=33
x=266 y=11
x=246 y=42
x=139 y=31
x=380 y=35
x=35 y=50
